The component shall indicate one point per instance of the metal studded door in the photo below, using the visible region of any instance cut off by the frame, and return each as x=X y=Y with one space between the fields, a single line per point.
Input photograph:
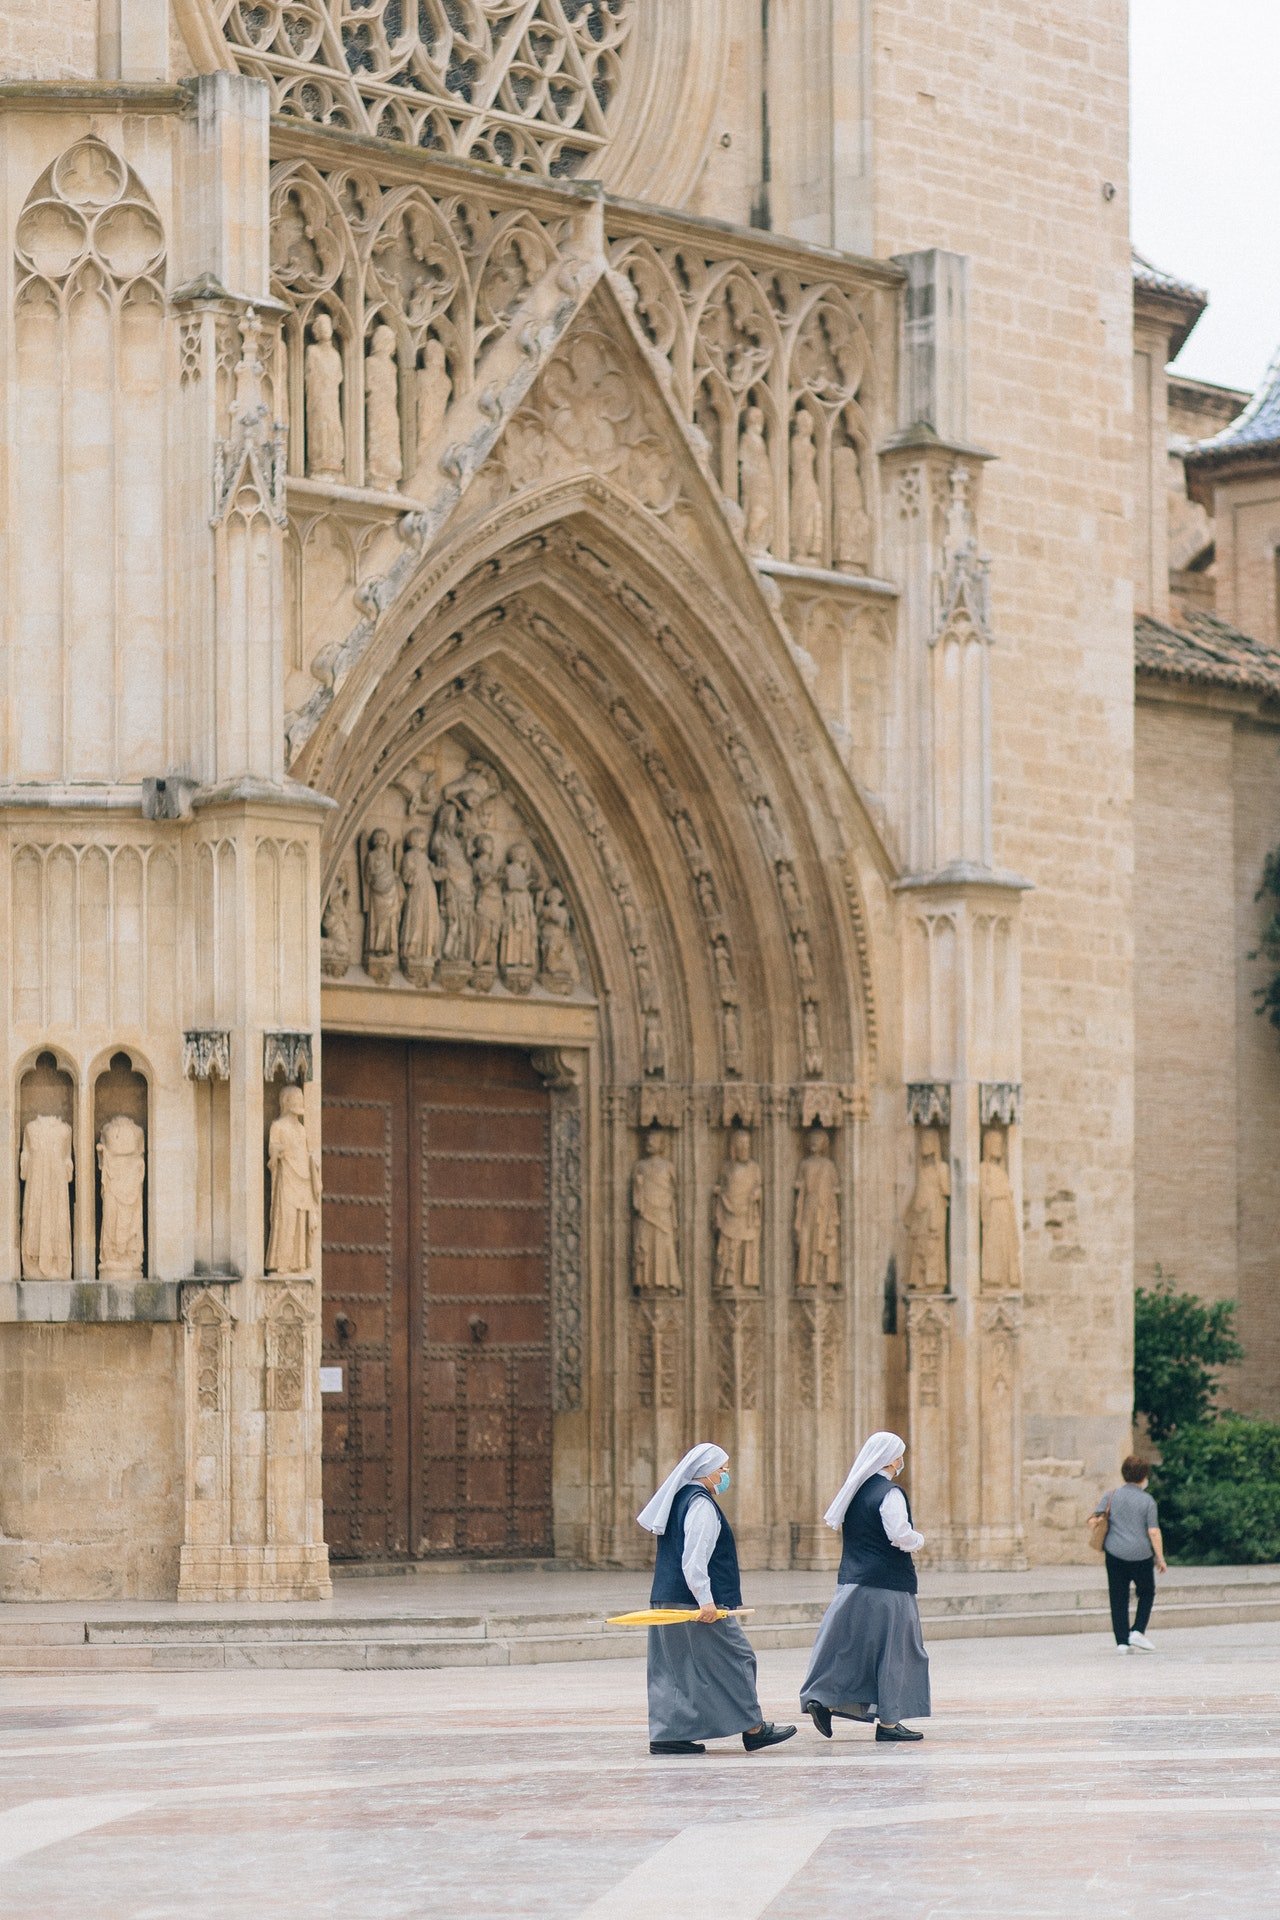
x=366 y=1423
x=479 y=1252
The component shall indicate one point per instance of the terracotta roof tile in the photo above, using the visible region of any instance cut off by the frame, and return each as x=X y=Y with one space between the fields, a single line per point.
x=1252 y=432
x=1155 y=280
x=1205 y=651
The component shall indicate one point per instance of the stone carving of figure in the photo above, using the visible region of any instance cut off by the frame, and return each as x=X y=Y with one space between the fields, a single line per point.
x=817 y=1219
x=335 y=930
x=383 y=462
x=382 y=897
x=457 y=889
x=559 y=961
x=755 y=470
x=731 y=1032
x=420 y=914
x=471 y=793
x=653 y=1227
x=1001 y=1252
x=927 y=1217
x=806 y=500
x=295 y=1189
x=852 y=521
x=812 y=1039
x=122 y=1166
x=47 y=1169
x=326 y=449
x=655 y=1050
x=519 y=948
x=434 y=390
x=488 y=911
x=738 y=1201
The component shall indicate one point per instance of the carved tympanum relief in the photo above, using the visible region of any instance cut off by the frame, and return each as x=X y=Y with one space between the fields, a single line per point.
x=654 y=1263
x=451 y=892
x=529 y=84
x=294 y=1172
x=1001 y=1258
x=780 y=375
x=926 y=1220
x=739 y=1195
x=817 y=1217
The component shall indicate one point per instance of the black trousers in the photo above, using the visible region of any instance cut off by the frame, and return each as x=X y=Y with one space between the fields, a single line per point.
x=1119 y=1574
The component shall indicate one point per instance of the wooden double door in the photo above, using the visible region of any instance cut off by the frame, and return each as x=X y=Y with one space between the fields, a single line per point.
x=436 y=1301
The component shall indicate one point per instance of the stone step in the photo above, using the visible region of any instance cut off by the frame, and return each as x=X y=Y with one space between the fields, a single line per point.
x=522 y=1639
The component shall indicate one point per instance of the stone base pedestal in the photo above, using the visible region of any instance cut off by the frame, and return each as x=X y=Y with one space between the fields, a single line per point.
x=254 y=1573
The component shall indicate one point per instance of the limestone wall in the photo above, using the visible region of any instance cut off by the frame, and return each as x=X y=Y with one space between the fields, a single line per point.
x=91 y=1471
x=995 y=133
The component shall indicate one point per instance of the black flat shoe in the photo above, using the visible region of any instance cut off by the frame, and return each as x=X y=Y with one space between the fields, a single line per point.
x=820 y=1716
x=675 y=1746
x=768 y=1736
x=897 y=1733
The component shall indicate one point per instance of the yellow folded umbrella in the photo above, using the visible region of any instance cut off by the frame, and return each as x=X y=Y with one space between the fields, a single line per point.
x=671 y=1616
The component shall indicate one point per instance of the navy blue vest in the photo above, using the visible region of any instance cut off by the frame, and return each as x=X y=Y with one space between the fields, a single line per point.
x=870 y=1558
x=670 y=1588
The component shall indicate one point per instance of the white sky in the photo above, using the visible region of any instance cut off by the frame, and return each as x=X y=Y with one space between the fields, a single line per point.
x=1205 y=85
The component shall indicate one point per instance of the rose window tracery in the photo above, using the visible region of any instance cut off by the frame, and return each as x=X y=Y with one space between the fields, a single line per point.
x=530 y=84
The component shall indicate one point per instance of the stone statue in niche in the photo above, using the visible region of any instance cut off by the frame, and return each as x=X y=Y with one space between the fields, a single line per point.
x=806 y=500
x=488 y=912
x=335 y=930
x=457 y=896
x=420 y=914
x=1001 y=1262
x=927 y=1217
x=852 y=521
x=434 y=391
x=555 y=943
x=322 y=381
x=817 y=1217
x=738 y=1207
x=731 y=1028
x=47 y=1169
x=295 y=1189
x=654 y=1267
x=519 y=947
x=122 y=1167
x=812 y=1040
x=383 y=895
x=383 y=461
x=755 y=470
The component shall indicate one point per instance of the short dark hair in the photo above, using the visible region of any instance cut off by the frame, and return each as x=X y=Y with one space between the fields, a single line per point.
x=1135 y=1470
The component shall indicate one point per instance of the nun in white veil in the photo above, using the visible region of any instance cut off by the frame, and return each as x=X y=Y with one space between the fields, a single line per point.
x=868 y=1661
x=702 y=1673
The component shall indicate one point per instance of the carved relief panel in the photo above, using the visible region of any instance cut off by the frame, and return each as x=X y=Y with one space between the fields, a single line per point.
x=445 y=886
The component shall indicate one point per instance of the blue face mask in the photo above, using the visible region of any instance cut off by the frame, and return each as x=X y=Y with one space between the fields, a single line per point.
x=722 y=1484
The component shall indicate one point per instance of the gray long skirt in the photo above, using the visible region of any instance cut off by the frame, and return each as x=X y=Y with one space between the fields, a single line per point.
x=702 y=1682
x=868 y=1661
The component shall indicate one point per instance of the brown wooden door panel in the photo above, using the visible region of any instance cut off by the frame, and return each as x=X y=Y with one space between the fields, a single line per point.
x=436 y=1223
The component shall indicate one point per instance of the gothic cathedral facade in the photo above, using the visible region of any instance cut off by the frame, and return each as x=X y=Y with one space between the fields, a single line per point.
x=567 y=777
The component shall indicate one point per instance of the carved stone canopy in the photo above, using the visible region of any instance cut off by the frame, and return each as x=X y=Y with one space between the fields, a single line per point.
x=206 y=1053
x=1000 y=1103
x=823 y=1104
x=660 y=1106
x=929 y=1103
x=288 y=1054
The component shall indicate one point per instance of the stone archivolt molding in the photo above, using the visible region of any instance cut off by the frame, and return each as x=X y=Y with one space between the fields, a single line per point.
x=529 y=84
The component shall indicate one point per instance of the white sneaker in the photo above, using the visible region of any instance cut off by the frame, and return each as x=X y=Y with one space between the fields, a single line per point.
x=1124 y=1647
x=1137 y=1639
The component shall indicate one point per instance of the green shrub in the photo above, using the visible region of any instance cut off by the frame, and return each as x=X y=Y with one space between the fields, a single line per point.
x=1218 y=1487
x=1268 y=947
x=1178 y=1340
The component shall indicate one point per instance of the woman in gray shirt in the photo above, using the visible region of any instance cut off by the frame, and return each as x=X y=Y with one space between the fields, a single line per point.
x=1134 y=1552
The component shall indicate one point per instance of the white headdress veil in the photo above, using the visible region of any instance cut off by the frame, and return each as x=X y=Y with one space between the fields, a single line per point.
x=876 y=1454
x=696 y=1465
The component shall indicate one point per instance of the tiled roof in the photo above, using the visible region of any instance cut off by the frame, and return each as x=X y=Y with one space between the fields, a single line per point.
x=1153 y=279
x=1205 y=651
x=1256 y=430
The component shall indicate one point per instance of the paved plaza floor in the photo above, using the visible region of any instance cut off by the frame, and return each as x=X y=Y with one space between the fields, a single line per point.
x=1058 y=1781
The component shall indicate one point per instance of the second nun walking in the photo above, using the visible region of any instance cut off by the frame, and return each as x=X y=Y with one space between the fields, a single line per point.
x=868 y=1661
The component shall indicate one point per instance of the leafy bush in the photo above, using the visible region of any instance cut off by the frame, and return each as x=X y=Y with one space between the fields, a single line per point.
x=1178 y=1340
x=1218 y=1487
